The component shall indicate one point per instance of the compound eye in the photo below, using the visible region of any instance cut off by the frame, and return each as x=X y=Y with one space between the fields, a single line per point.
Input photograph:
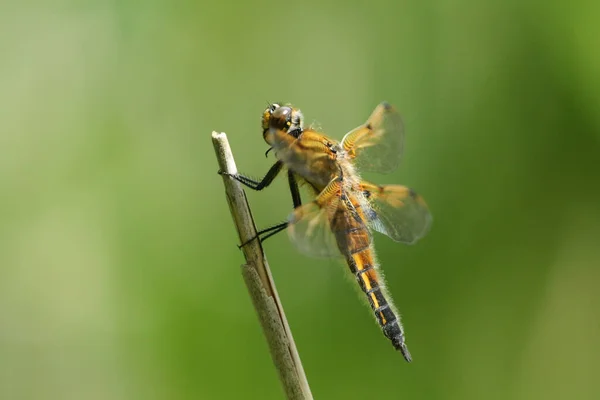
x=281 y=118
x=266 y=118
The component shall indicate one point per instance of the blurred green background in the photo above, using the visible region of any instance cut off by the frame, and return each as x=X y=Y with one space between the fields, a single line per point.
x=119 y=272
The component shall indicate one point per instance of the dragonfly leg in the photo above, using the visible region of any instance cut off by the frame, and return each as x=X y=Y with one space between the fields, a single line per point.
x=294 y=189
x=264 y=234
x=257 y=184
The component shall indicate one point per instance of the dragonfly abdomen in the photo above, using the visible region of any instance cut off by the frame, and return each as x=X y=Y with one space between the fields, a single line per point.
x=364 y=268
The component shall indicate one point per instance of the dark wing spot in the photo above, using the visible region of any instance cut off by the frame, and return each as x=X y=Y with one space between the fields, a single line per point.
x=371 y=214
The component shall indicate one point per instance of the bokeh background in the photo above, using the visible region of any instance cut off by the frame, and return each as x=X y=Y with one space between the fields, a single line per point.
x=119 y=272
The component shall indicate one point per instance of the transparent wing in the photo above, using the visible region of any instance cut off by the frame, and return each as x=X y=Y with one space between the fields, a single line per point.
x=310 y=229
x=377 y=145
x=397 y=211
x=331 y=228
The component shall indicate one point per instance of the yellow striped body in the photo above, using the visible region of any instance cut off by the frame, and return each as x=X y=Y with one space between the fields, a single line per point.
x=346 y=208
x=354 y=242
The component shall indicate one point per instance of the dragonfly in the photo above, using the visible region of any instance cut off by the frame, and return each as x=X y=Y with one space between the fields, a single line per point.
x=346 y=210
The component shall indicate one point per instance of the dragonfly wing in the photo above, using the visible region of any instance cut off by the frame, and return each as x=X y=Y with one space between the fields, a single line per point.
x=377 y=145
x=331 y=225
x=397 y=211
x=310 y=229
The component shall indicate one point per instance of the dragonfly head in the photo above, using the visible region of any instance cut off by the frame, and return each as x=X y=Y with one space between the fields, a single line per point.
x=282 y=118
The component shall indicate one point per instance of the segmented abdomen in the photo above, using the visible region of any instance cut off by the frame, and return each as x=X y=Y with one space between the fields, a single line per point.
x=354 y=243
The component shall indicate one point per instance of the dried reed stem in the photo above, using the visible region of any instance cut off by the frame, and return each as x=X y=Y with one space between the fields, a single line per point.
x=260 y=282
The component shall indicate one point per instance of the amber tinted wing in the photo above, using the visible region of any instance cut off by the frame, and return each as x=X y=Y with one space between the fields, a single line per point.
x=320 y=227
x=396 y=211
x=377 y=145
x=310 y=230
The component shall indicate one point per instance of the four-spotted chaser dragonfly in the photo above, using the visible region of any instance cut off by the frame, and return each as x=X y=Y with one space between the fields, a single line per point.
x=339 y=221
